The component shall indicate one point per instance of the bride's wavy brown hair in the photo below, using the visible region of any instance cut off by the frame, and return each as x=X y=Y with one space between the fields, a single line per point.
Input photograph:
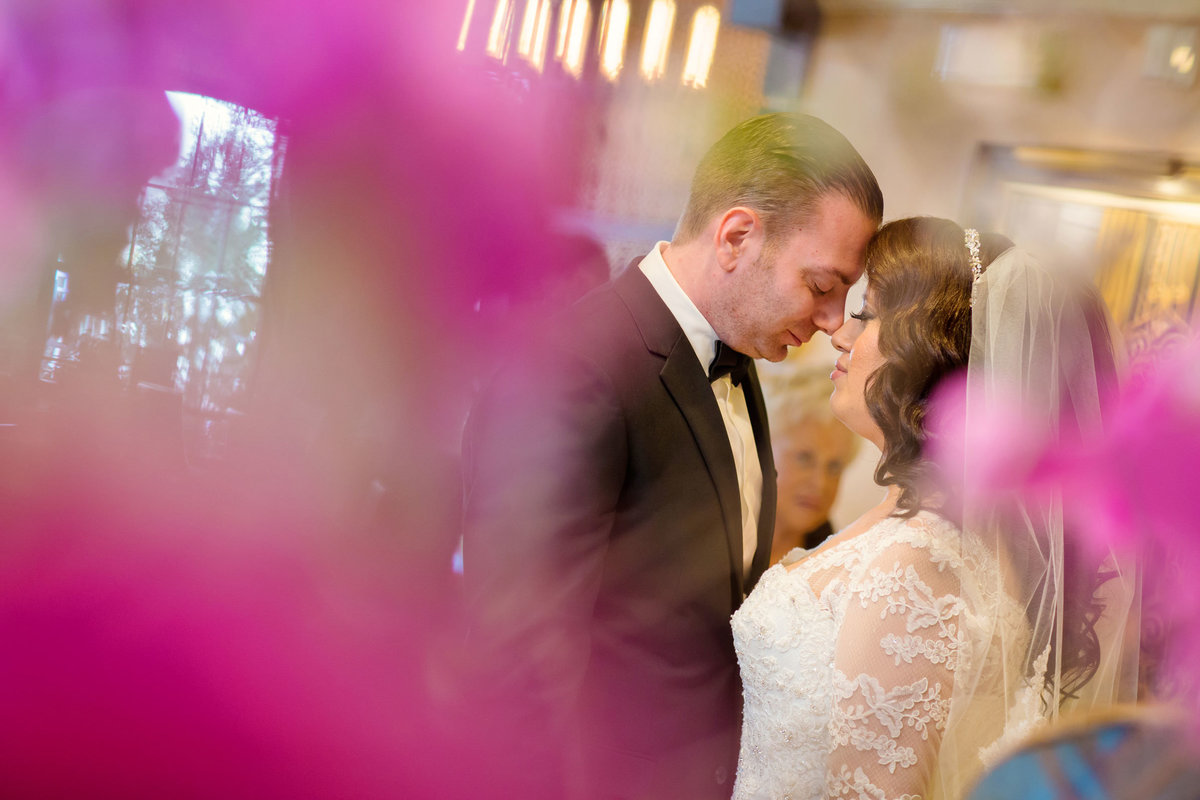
x=919 y=274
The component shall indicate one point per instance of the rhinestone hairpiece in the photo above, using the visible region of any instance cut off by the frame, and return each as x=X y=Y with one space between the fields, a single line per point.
x=972 y=239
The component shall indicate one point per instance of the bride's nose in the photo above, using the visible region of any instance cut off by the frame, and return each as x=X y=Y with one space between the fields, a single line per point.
x=842 y=338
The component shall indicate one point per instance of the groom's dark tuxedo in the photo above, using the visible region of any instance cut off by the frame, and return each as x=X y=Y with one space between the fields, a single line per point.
x=603 y=551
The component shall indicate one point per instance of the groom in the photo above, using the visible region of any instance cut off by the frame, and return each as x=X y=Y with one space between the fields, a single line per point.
x=619 y=485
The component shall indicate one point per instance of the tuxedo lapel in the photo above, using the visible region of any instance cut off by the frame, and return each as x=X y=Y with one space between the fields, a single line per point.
x=689 y=386
x=762 y=438
x=687 y=383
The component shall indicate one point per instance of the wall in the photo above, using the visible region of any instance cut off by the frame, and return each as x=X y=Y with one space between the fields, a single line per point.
x=872 y=76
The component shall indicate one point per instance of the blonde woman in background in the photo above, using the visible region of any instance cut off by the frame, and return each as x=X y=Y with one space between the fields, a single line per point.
x=812 y=449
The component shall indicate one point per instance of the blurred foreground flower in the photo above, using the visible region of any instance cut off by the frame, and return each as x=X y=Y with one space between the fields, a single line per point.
x=1135 y=487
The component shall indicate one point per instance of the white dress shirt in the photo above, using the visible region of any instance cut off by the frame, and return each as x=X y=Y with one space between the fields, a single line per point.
x=731 y=400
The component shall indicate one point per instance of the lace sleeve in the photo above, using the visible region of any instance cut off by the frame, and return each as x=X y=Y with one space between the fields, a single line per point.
x=897 y=649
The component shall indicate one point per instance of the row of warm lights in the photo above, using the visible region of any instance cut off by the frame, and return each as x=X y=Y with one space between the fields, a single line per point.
x=574 y=22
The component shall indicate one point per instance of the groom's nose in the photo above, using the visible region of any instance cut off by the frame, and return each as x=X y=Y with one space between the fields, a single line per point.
x=831 y=311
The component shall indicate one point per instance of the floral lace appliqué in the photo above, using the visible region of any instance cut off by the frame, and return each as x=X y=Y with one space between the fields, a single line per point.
x=856 y=785
x=848 y=662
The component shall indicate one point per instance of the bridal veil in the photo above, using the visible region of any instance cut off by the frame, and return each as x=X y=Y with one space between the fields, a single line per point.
x=1059 y=632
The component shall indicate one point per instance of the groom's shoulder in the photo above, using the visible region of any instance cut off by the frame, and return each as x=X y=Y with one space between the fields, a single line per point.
x=599 y=333
x=587 y=334
x=598 y=322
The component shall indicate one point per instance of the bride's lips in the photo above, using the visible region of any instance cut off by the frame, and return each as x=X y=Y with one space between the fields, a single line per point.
x=806 y=502
x=838 y=369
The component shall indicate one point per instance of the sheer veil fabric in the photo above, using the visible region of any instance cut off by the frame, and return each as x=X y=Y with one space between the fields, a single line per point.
x=1041 y=365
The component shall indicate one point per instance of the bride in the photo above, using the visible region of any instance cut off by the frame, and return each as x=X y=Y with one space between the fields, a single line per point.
x=895 y=659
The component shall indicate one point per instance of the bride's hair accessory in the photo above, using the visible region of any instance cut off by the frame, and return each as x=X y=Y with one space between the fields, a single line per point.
x=972 y=239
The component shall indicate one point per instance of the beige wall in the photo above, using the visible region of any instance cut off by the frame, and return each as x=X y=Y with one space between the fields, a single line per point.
x=872 y=76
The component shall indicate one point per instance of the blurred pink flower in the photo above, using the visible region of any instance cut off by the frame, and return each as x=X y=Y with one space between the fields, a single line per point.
x=1134 y=487
x=993 y=456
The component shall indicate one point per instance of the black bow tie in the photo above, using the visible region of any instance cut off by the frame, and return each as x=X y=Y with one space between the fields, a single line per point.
x=729 y=362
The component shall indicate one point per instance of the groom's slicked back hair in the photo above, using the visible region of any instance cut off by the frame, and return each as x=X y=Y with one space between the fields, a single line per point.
x=780 y=165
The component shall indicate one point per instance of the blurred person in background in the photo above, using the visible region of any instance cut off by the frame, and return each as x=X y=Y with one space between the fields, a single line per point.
x=812 y=448
x=619 y=484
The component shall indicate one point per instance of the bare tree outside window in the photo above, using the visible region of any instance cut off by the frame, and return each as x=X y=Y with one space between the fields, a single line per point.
x=184 y=323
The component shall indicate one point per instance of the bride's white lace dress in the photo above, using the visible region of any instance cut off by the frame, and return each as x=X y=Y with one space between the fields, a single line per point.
x=859 y=715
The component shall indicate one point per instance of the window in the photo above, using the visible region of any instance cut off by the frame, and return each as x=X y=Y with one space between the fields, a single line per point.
x=184 y=320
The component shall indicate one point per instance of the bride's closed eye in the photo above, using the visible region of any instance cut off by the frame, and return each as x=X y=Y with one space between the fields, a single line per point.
x=863 y=315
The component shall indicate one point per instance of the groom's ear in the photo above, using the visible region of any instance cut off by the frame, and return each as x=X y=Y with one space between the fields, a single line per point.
x=738 y=238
